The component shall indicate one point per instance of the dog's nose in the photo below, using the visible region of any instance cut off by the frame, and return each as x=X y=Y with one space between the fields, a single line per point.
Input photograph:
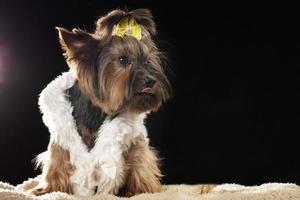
x=149 y=81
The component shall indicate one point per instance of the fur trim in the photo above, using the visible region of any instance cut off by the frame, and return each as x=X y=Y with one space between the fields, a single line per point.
x=105 y=159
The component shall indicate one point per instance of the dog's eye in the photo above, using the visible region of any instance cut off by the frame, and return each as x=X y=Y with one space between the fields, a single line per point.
x=124 y=60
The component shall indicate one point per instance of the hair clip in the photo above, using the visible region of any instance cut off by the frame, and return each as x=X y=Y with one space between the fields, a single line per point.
x=128 y=27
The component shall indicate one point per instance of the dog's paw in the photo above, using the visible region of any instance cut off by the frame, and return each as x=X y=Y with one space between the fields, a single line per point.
x=203 y=189
x=38 y=191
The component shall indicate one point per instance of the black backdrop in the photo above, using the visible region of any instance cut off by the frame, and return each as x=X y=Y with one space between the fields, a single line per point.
x=235 y=109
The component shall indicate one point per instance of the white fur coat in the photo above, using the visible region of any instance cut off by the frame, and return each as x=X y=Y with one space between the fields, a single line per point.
x=106 y=158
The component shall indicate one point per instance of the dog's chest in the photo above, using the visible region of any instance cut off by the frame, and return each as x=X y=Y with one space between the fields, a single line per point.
x=103 y=167
x=88 y=118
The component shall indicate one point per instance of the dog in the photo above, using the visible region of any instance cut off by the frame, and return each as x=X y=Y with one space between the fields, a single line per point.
x=95 y=112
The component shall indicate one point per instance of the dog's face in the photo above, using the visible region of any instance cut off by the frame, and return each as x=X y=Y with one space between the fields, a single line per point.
x=118 y=73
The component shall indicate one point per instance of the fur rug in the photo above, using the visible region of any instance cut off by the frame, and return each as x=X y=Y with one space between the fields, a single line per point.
x=171 y=192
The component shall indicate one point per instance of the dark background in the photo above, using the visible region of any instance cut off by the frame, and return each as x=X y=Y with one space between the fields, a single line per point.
x=235 y=110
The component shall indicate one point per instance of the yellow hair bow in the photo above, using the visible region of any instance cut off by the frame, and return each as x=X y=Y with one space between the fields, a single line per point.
x=128 y=27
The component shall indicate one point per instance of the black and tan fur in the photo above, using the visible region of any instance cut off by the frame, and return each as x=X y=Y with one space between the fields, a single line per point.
x=112 y=73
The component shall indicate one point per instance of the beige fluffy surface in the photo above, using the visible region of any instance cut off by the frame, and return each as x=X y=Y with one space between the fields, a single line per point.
x=171 y=192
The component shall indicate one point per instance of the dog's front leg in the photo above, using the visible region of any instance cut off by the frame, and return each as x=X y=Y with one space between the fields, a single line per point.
x=143 y=174
x=56 y=172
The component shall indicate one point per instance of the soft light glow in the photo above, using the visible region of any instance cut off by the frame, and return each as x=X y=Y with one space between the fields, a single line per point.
x=2 y=64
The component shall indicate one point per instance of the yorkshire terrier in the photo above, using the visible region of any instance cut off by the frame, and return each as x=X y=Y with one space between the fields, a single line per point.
x=95 y=112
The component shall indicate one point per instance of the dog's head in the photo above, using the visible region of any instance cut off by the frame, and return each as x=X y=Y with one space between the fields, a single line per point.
x=118 y=66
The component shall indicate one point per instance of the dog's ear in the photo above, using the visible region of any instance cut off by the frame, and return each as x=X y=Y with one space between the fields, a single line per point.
x=77 y=44
x=144 y=18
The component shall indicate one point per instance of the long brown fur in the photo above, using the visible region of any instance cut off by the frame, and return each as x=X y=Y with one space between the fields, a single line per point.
x=59 y=172
x=87 y=136
x=112 y=87
x=110 y=91
x=143 y=174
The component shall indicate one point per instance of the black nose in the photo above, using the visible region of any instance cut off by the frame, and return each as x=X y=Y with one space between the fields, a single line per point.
x=149 y=81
